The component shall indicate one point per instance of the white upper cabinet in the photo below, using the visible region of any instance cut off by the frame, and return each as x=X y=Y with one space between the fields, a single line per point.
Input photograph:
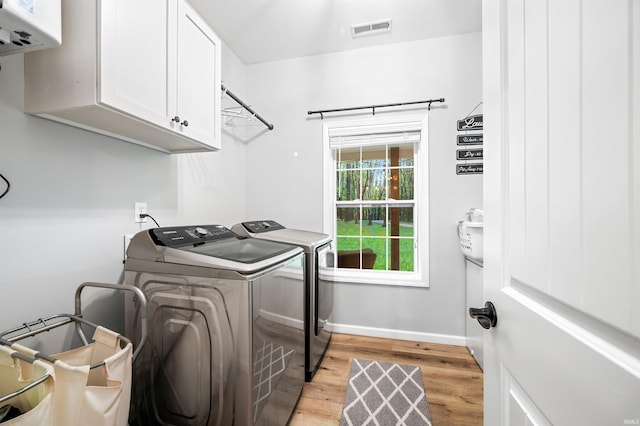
x=197 y=91
x=133 y=58
x=146 y=71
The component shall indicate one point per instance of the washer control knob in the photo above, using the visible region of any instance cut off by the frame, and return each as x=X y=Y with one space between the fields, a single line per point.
x=201 y=232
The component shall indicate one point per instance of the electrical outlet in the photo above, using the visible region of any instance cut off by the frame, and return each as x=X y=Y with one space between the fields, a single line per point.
x=140 y=208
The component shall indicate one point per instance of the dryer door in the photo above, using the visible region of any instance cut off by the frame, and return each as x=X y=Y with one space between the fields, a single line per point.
x=189 y=374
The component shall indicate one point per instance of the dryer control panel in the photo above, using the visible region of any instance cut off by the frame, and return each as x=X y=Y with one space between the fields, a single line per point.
x=190 y=235
x=262 y=226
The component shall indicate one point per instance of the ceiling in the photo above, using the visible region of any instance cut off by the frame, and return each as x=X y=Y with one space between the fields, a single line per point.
x=271 y=30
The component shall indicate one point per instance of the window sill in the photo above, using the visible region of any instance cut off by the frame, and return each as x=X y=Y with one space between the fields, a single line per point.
x=377 y=278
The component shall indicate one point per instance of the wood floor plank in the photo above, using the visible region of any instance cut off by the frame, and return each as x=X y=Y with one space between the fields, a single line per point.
x=452 y=380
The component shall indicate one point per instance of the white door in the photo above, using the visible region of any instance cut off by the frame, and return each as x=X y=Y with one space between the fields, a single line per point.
x=198 y=78
x=133 y=58
x=562 y=211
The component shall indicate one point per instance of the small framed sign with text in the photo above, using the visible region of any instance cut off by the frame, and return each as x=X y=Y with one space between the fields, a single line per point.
x=473 y=122
x=469 y=169
x=469 y=154
x=474 y=139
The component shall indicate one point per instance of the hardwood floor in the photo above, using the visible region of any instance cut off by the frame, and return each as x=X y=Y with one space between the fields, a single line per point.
x=452 y=380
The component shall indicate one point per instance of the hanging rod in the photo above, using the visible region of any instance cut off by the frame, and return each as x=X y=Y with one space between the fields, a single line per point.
x=247 y=107
x=373 y=107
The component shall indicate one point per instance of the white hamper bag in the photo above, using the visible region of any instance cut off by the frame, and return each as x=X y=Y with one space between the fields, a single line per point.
x=36 y=404
x=98 y=396
x=86 y=396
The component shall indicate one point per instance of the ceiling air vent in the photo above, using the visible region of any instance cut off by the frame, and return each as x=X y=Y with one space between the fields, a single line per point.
x=371 y=28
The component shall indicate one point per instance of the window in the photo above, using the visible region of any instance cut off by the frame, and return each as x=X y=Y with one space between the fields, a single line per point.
x=375 y=199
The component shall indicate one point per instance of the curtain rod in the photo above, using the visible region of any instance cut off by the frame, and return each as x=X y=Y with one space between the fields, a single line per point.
x=373 y=107
x=247 y=107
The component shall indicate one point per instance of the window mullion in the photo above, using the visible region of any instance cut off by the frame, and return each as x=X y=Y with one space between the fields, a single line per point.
x=360 y=209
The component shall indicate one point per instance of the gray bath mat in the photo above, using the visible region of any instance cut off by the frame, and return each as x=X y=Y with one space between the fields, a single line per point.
x=384 y=394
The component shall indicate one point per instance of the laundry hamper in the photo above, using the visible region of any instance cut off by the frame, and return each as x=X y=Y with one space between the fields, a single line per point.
x=91 y=396
x=470 y=233
x=91 y=383
x=26 y=386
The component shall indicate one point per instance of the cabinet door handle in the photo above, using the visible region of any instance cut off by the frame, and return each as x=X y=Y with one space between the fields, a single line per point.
x=176 y=119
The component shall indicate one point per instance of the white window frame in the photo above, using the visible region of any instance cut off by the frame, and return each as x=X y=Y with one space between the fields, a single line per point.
x=330 y=128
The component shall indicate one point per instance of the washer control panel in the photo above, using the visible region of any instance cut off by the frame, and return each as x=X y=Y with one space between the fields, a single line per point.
x=259 y=226
x=190 y=235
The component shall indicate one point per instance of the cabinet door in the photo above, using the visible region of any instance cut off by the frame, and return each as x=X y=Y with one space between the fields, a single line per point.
x=133 y=58
x=198 y=78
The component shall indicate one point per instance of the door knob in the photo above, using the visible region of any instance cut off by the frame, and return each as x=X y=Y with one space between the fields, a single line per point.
x=487 y=316
x=185 y=123
x=176 y=119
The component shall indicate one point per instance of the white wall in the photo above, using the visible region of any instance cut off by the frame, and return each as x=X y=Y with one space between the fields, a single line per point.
x=212 y=186
x=72 y=191
x=72 y=195
x=284 y=166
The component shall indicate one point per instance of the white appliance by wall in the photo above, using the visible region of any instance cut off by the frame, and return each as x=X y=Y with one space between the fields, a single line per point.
x=475 y=299
x=562 y=204
x=27 y=25
x=471 y=235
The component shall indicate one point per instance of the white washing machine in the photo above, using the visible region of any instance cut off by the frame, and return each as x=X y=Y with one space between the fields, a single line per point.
x=226 y=328
x=471 y=236
x=318 y=288
x=474 y=333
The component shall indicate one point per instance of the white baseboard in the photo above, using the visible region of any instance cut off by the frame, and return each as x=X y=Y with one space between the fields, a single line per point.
x=443 y=339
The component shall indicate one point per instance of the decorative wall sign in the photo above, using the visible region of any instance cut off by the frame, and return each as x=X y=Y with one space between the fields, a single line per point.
x=470 y=154
x=469 y=169
x=472 y=122
x=474 y=139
